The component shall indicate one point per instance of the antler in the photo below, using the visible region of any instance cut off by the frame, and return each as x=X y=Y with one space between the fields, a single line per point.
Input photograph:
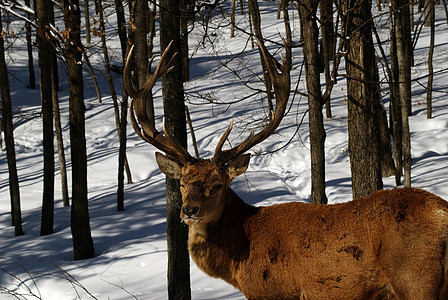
x=147 y=131
x=281 y=82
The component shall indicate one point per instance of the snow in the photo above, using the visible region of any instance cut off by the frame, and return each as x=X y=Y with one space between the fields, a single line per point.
x=130 y=247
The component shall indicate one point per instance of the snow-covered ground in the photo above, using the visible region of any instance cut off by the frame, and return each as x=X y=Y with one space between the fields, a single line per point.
x=130 y=247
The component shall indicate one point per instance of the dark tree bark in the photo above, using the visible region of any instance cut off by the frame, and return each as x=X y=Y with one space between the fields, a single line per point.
x=364 y=99
x=80 y=223
x=431 y=8
x=254 y=12
x=186 y=9
x=121 y=20
x=174 y=108
x=307 y=11
x=57 y=122
x=122 y=160
x=29 y=45
x=123 y=164
x=395 y=107
x=45 y=49
x=87 y=20
x=8 y=128
x=403 y=40
x=328 y=44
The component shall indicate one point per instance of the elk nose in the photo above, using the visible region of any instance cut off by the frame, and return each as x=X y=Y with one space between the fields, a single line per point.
x=190 y=210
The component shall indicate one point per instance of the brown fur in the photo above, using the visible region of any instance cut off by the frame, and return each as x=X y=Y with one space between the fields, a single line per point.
x=390 y=245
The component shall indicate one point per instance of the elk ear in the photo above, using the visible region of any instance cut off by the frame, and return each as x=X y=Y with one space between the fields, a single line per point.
x=238 y=166
x=168 y=166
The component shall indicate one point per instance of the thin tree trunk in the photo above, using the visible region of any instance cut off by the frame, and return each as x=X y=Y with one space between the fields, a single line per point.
x=58 y=129
x=254 y=11
x=29 y=45
x=92 y=73
x=174 y=108
x=57 y=122
x=80 y=221
x=122 y=159
x=186 y=12
x=232 y=19
x=7 y=125
x=395 y=107
x=87 y=20
x=327 y=31
x=402 y=37
x=121 y=164
x=307 y=10
x=430 y=56
x=286 y=22
x=43 y=8
x=121 y=20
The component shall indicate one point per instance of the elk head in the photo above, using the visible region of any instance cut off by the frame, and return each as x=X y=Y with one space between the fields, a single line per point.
x=204 y=182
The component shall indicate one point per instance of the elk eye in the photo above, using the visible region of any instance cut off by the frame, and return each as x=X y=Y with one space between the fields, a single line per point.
x=216 y=188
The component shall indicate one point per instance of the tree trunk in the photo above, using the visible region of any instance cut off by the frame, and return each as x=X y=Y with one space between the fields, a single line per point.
x=363 y=96
x=45 y=49
x=29 y=45
x=328 y=44
x=122 y=160
x=123 y=164
x=286 y=21
x=57 y=122
x=307 y=11
x=174 y=108
x=254 y=12
x=87 y=20
x=8 y=127
x=431 y=9
x=402 y=33
x=186 y=13
x=121 y=20
x=80 y=223
x=395 y=107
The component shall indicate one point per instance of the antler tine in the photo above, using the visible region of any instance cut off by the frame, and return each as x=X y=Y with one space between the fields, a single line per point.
x=137 y=109
x=281 y=82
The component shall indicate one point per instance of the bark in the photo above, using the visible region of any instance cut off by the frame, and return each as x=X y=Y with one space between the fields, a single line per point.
x=174 y=108
x=121 y=20
x=430 y=56
x=254 y=12
x=307 y=11
x=87 y=20
x=328 y=44
x=8 y=127
x=402 y=33
x=43 y=8
x=122 y=161
x=57 y=123
x=363 y=96
x=80 y=223
x=29 y=45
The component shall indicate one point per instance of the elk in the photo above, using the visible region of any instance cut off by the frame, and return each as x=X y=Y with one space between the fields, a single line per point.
x=389 y=245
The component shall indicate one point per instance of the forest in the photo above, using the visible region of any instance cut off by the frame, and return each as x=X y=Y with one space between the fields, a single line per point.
x=83 y=204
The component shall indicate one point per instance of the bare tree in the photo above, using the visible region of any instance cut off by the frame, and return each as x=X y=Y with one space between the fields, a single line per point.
x=402 y=34
x=45 y=49
x=29 y=44
x=80 y=221
x=7 y=126
x=174 y=109
x=307 y=11
x=430 y=7
x=364 y=98
x=328 y=43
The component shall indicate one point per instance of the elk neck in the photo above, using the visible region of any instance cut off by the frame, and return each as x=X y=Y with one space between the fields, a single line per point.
x=227 y=242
